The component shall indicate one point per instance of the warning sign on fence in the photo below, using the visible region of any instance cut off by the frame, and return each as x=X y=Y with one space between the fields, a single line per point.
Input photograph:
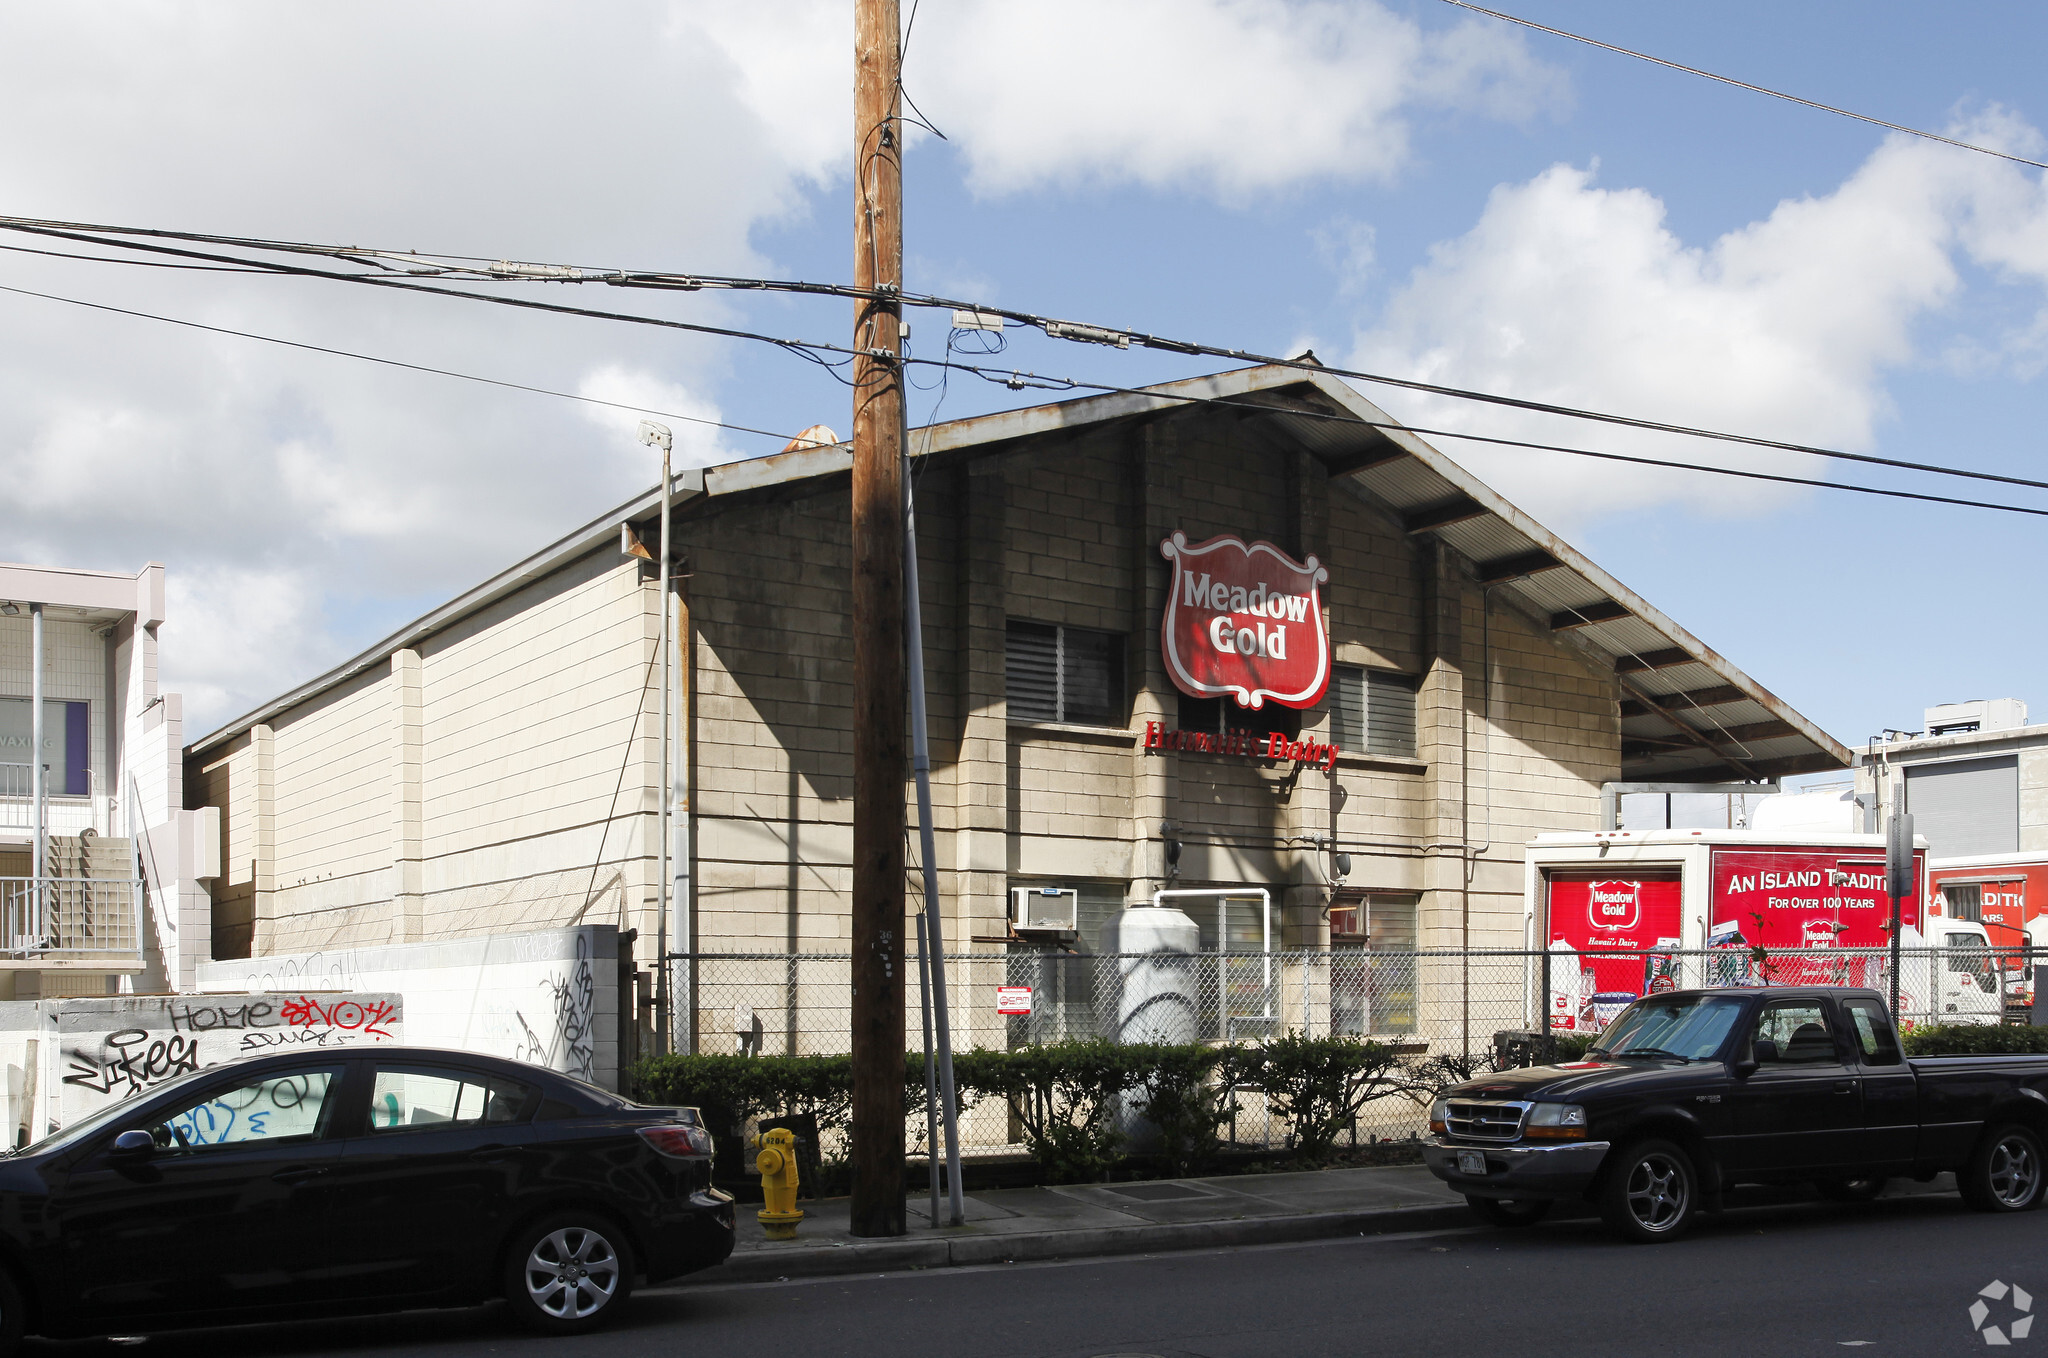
x=1013 y=999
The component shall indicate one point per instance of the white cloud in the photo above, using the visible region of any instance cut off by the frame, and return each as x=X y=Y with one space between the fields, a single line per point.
x=649 y=132
x=289 y=492
x=1349 y=249
x=231 y=632
x=1576 y=295
x=1235 y=97
x=696 y=444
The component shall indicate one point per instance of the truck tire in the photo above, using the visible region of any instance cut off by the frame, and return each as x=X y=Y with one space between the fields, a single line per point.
x=1651 y=1193
x=1510 y=1211
x=1850 y=1190
x=2005 y=1171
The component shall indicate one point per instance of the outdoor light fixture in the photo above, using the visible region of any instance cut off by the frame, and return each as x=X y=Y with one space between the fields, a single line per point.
x=1170 y=832
x=10 y=608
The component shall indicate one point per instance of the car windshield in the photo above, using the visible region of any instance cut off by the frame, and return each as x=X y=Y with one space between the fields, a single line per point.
x=72 y=1133
x=1692 y=1027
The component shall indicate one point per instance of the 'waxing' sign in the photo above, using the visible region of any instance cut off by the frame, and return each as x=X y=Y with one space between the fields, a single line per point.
x=1245 y=620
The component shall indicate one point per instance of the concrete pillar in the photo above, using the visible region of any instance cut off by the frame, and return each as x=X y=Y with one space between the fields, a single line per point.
x=408 y=830
x=1442 y=740
x=1154 y=777
x=981 y=776
x=263 y=870
x=1308 y=811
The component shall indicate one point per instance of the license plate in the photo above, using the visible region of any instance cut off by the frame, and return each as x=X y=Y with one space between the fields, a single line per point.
x=1472 y=1162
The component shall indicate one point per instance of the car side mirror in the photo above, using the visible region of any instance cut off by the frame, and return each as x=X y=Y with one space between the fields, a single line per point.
x=1744 y=1067
x=135 y=1142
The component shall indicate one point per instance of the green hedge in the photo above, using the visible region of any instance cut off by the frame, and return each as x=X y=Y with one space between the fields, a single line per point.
x=1973 y=1039
x=1070 y=1098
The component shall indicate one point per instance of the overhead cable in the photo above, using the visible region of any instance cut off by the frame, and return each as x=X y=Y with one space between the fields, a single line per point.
x=413 y=276
x=1016 y=380
x=391 y=362
x=1745 y=85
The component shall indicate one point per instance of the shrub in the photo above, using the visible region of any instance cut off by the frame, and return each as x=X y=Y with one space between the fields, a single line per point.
x=1319 y=1084
x=1972 y=1039
x=731 y=1089
x=1065 y=1094
x=1177 y=1093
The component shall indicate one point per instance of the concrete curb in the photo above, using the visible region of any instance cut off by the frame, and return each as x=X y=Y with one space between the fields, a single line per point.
x=891 y=1256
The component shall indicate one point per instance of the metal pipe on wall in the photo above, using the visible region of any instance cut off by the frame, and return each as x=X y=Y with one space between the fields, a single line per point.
x=38 y=772
x=682 y=894
x=921 y=764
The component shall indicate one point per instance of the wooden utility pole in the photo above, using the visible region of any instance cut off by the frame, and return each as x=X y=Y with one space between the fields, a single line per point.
x=878 y=682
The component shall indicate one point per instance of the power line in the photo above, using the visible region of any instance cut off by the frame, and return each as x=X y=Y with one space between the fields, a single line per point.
x=504 y=271
x=1016 y=380
x=391 y=362
x=1745 y=85
x=997 y=375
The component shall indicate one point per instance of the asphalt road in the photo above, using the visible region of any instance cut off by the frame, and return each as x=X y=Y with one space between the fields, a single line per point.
x=1892 y=1277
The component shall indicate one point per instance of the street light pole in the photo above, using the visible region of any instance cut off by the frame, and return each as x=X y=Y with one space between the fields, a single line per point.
x=659 y=436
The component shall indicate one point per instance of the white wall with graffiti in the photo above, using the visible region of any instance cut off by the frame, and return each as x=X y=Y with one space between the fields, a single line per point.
x=551 y=998
x=65 y=1058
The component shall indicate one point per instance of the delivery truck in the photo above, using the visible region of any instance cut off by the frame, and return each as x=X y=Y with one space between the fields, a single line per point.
x=2008 y=895
x=1620 y=914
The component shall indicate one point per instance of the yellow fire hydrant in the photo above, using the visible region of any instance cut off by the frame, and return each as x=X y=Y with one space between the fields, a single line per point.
x=777 y=1163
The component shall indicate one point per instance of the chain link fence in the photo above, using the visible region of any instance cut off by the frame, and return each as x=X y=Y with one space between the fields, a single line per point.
x=1475 y=1006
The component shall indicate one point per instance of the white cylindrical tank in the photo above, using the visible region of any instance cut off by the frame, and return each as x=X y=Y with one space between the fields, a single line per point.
x=1158 y=992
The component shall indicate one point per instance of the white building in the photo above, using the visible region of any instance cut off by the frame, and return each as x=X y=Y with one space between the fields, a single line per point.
x=99 y=864
x=1975 y=780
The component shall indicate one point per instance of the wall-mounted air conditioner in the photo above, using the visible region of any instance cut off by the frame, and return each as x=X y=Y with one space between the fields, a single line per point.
x=1045 y=909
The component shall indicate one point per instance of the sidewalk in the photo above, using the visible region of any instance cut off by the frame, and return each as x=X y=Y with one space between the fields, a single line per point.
x=1078 y=1220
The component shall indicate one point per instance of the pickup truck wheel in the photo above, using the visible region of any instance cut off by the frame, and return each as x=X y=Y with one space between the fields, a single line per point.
x=1651 y=1193
x=1850 y=1190
x=1510 y=1211
x=2004 y=1173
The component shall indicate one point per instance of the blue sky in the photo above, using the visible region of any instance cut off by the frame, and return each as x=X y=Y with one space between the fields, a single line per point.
x=1403 y=185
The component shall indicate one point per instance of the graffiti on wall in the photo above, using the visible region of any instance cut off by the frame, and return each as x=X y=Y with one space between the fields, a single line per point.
x=572 y=1009
x=549 y=997
x=112 y=1049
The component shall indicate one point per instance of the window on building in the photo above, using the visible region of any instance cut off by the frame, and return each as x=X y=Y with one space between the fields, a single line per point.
x=1065 y=674
x=1218 y=715
x=1384 y=919
x=67 y=746
x=1372 y=711
x=1372 y=985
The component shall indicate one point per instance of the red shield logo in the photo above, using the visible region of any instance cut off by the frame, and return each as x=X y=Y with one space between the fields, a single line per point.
x=1614 y=905
x=1245 y=620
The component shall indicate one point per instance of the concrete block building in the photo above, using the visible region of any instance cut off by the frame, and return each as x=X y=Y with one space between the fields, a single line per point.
x=101 y=866
x=1974 y=779
x=494 y=766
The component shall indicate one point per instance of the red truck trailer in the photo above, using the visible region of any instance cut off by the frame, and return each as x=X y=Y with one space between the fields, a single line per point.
x=2008 y=895
x=1620 y=914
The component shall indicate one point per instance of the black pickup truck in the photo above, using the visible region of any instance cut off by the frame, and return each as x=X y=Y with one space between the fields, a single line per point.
x=1691 y=1092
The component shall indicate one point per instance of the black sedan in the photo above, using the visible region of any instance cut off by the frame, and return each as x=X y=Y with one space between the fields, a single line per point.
x=349 y=1181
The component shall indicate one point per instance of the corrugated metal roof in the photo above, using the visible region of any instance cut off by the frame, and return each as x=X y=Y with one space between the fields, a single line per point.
x=1657 y=661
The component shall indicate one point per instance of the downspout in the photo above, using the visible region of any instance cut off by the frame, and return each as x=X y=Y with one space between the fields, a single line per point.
x=38 y=775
